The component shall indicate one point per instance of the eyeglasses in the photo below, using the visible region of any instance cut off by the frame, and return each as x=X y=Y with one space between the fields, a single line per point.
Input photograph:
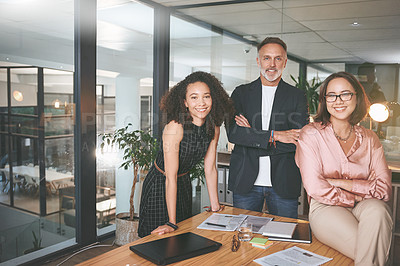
x=330 y=98
x=235 y=243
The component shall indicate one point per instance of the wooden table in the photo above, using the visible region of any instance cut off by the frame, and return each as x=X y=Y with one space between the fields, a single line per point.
x=224 y=256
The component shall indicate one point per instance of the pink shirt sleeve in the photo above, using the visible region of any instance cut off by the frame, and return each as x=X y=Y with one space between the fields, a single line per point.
x=308 y=159
x=379 y=187
x=319 y=156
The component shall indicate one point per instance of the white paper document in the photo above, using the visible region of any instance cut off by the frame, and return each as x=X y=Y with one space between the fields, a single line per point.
x=222 y=222
x=278 y=229
x=293 y=256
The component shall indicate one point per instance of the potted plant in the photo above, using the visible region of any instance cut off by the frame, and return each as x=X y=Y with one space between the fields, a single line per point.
x=197 y=173
x=139 y=151
x=310 y=90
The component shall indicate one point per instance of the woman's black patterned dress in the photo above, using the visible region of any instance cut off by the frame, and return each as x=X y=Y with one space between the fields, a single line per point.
x=153 y=208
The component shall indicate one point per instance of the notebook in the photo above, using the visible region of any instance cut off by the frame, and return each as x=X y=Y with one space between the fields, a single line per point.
x=175 y=248
x=302 y=234
x=278 y=229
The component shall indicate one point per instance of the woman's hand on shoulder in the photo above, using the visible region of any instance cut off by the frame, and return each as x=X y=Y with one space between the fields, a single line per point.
x=242 y=121
x=162 y=229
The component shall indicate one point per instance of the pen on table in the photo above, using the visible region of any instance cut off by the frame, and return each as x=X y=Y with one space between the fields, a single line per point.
x=220 y=225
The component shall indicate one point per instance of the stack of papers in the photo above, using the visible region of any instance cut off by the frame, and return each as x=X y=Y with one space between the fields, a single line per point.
x=261 y=242
x=222 y=222
x=226 y=222
x=278 y=229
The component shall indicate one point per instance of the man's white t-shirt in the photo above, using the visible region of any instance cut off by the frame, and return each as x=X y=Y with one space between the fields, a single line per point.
x=264 y=173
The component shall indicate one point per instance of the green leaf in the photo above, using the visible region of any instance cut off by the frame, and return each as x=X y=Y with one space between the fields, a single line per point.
x=311 y=91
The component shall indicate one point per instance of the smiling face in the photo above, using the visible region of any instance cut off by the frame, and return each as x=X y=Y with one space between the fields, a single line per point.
x=340 y=110
x=271 y=60
x=198 y=101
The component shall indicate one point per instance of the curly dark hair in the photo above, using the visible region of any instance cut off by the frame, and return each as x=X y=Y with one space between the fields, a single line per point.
x=222 y=110
x=362 y=106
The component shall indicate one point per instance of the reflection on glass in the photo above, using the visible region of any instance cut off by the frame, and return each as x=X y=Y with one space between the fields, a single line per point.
x=24 y=90
x=22 y=176
x=121 y=82
x=32 y=220
x=18 y=96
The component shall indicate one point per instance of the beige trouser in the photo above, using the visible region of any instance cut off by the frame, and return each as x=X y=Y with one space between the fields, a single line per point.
x=362 y=233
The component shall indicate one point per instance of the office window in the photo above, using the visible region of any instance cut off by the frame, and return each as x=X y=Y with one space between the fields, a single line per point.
x=41 y=119
x=32 y=193
x=124 y=93
x=292 y=69
x=322 y=70
x=146 y=113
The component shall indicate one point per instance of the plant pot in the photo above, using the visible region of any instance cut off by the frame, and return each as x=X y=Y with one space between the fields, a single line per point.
x=126 y=231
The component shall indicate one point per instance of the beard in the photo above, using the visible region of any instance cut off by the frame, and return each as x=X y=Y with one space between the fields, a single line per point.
x=273 y=77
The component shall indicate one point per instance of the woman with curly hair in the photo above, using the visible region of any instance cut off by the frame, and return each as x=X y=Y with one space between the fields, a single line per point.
x=195 y=109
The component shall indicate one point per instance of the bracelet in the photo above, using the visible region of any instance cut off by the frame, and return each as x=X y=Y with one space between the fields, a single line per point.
x=174 y=226
x=208 y=208
x=271 y=139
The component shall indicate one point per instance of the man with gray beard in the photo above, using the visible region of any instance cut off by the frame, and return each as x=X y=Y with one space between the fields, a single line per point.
x=269 y=116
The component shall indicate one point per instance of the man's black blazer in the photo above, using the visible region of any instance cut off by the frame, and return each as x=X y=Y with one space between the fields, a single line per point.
x=289 y=111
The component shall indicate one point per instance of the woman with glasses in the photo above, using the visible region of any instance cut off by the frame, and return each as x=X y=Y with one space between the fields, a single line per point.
x=345 y=174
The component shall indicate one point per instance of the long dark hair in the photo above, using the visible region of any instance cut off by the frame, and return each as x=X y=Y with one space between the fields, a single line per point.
x=222 y=110
x=362 y=106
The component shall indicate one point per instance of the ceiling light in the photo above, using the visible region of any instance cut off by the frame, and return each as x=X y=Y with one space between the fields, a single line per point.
x=57 y=104
x=250 y=38
x=355 y=24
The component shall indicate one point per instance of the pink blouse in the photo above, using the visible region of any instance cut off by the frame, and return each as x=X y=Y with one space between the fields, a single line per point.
x=320 y=156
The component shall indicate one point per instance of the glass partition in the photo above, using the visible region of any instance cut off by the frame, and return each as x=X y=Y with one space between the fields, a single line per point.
x=31 y=213
x=29 y=189
x=124 y=95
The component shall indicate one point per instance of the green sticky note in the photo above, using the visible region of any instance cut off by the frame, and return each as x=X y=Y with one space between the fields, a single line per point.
x=259 y=240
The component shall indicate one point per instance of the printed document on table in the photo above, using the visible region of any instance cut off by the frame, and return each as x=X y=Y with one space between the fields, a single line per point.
x=293 y=256
x=222 y=222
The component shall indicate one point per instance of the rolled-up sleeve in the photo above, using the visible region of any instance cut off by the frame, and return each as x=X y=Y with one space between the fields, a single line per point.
x=379 y=187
